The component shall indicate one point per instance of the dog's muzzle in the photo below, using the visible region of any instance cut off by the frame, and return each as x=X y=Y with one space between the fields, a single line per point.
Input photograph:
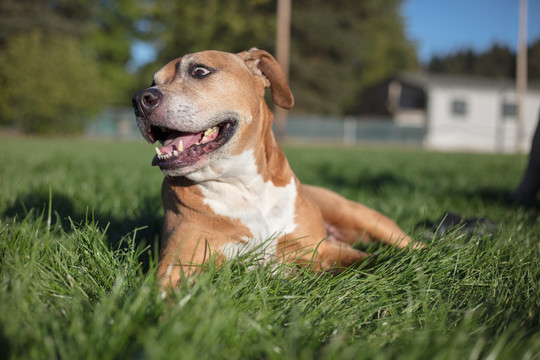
x=179 y=148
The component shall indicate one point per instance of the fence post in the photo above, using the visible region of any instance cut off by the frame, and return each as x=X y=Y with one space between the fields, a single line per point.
x=349 y=130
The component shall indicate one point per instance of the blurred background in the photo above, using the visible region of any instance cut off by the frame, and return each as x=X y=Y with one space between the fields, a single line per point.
x=441 y=75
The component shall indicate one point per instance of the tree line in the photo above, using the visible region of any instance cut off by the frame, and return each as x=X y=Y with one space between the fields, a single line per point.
x=63 y=61
x=499 y=61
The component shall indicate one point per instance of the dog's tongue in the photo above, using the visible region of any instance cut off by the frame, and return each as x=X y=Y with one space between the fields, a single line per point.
x=172 y=141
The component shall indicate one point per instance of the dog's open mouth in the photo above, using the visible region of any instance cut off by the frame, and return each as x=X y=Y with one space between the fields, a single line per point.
x=180 y=149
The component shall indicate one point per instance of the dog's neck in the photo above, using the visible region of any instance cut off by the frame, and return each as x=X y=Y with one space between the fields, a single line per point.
x=271 y=160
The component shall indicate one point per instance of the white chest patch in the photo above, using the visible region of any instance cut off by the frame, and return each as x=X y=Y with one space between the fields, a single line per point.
x=268 y=211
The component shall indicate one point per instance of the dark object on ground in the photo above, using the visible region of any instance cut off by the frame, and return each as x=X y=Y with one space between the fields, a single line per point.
x=472 y=226
x=527 y=190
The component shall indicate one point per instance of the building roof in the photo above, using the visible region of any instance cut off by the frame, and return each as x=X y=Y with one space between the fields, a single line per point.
x=425 y=80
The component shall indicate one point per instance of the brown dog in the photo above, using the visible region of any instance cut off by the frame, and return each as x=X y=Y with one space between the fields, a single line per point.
x=228 y=187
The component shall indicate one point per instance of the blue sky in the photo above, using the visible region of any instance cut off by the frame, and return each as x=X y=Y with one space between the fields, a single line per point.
x=439 y=27
x=443 y=26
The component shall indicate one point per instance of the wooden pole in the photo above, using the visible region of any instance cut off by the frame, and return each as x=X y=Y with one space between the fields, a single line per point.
x=283 y=39
x=521 y=74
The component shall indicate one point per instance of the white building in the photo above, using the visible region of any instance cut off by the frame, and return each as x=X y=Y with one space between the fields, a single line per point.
x=458 y=113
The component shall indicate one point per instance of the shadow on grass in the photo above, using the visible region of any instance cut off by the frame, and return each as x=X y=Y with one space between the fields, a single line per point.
x=373 y=182
x=5 y=346
x=147 y=223
x=494 y=196
x=490 y=196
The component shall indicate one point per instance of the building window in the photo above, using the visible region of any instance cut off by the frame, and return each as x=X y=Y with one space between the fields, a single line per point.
x=509 y=109
x=459 y=108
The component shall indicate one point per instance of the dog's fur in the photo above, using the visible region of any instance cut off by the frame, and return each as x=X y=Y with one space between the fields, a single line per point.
x=235 y=191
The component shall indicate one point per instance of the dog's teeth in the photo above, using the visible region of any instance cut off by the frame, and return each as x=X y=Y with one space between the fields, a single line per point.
x=207 y=133
x=181 y=146
x=210 y=131
x=175 y=153
x=158 y=152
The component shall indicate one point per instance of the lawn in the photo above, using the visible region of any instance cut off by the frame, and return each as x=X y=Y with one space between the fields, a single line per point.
x=78 y=236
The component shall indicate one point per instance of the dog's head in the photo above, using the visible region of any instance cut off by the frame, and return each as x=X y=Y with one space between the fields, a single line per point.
x=207 y=106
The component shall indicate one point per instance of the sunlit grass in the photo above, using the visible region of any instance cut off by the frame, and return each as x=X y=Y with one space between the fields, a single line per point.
x=78 y=231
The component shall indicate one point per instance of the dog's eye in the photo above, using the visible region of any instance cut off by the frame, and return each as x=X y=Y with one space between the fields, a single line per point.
x=200 y=71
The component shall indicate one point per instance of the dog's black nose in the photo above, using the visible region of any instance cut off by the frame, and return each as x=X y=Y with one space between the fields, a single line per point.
x=145 y=101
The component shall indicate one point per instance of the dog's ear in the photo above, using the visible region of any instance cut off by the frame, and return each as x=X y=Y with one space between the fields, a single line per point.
x=262 y=63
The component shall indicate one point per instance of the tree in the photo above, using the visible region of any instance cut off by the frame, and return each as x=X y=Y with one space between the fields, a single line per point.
x=534 y=60
x=340 y=47
x=95 y=37
x=59 y=17
x=48 y=84
x=112 y=30
x=496 y=62
x=186 y=26
x=181 y=27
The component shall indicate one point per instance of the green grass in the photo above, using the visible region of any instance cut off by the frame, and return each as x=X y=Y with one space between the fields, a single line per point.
x=78 y=233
